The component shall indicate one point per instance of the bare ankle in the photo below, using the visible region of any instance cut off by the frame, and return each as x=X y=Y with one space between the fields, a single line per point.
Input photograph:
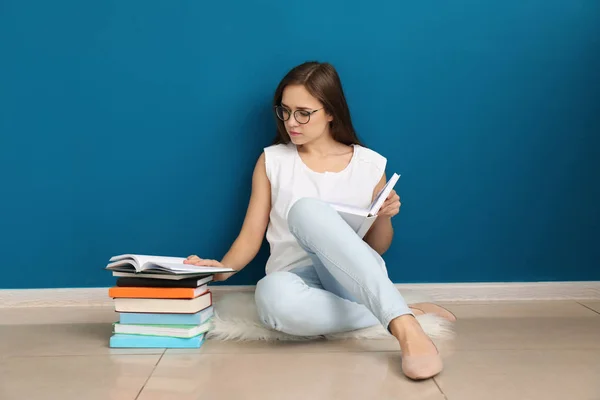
x=400 y=326
x=410 y=335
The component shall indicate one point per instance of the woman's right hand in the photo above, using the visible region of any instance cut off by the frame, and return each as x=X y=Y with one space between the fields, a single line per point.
x=201 y=262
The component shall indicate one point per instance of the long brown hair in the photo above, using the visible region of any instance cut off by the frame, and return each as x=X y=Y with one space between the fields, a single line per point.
x=322 y=81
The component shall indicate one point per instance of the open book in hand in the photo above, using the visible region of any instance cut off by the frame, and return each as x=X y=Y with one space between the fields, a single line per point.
x=137 y=263
x=361 y=219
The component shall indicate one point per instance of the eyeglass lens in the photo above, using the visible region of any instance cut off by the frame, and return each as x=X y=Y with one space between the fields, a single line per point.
x=302 y=116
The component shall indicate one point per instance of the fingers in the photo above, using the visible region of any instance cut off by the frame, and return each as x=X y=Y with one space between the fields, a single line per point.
x=392 y=195
x=392 y=198
x=210 y=263
x=200 y=262
x=391 y=203
x=391 y=206
x=390 y=212
x=195 y=260
x=191 y=259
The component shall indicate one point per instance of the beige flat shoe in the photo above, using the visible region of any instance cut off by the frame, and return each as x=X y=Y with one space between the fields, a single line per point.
x=430 y=308
x=422 y=367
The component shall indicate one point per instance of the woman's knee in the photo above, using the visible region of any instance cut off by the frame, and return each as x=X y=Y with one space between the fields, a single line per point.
x=307 y=212
x=275 y=297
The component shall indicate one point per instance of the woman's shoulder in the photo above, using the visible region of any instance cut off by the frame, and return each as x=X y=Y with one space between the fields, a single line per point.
x=279 y=150
x=277 y=157
x=370 y=157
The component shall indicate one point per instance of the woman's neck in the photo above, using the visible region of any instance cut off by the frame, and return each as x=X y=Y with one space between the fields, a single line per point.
x=324 y=146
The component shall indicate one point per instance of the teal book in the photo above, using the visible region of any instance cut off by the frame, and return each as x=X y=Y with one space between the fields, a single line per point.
x=145 y=342
x=180 y=331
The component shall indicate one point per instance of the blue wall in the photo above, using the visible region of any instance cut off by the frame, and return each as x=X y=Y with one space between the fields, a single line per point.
x=133 y=126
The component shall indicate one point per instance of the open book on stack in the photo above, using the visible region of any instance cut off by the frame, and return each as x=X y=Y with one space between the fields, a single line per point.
x=159 y=267
x=361 y=219
x=162 y=302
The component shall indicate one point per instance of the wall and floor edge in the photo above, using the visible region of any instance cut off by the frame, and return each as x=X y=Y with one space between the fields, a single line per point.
x=443 y=292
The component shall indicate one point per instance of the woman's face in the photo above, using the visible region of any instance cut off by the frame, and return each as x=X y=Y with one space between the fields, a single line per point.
x=298 y=107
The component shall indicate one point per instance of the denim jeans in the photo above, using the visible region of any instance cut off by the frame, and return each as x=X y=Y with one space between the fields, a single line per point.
x=346 y=287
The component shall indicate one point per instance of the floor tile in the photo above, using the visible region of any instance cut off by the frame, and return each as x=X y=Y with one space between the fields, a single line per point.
x=57 y=315
x=594 y=305
x=523 y=309
x=524 y=350
x=76 y=377
x=60 y=340
x=284 y=376
x=315 y=346
x=527 y=333
x=523 y=375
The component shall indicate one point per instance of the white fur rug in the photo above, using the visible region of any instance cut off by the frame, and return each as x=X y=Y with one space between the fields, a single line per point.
x=236 y=319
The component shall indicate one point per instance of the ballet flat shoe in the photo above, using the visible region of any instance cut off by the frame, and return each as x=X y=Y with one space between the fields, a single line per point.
x=430 y=308
x=422 y=367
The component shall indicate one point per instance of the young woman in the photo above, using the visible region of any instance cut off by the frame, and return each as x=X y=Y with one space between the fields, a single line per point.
x=321 y=277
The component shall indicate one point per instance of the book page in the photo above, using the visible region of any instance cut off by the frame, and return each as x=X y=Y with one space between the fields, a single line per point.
x=354 y=220
x=143 y=259
x=366 y=225
x=138 y=261
x=344 y=208
x=148 y=263
x=181 y=268
x=124 y=262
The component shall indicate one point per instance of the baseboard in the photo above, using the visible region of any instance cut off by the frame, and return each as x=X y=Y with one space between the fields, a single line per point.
x=445 y=292
x=517 y=291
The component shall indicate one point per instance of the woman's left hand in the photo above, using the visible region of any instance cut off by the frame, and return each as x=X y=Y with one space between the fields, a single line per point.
x=391 y=206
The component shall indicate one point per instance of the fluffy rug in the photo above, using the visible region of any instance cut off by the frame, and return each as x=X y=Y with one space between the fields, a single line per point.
x=236 y=319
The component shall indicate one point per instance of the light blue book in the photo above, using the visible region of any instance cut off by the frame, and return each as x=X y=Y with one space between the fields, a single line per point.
x=166 y=319
x=140 y=341
x=180 y=331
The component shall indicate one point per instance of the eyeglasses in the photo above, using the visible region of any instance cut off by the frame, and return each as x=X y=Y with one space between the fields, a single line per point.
x=302 y=116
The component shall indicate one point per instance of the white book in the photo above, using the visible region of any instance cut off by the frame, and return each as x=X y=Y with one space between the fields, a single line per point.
x=136 y=263
x=167 y=306
x=361 y=219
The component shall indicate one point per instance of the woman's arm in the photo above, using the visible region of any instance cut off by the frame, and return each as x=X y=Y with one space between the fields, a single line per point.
x=380 y=236
x=248 y=242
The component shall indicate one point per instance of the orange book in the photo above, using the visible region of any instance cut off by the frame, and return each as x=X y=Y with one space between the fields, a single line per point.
x=156 y=292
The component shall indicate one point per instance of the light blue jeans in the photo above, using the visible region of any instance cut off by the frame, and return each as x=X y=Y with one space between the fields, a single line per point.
x=346 y=288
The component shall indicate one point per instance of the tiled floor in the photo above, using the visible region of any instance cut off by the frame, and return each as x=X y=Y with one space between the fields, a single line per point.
x=547 y=350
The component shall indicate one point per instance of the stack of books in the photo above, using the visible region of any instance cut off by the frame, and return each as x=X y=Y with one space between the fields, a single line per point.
x=162 y=302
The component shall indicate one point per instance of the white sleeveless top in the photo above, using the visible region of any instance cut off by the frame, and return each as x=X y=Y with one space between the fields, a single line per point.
x=291 y=180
